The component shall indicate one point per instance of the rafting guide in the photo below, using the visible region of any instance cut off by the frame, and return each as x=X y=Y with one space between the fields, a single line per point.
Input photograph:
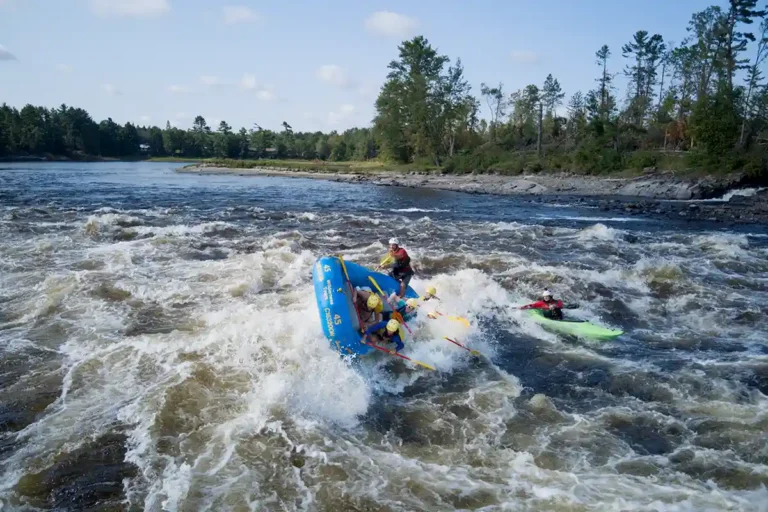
x=399 y=263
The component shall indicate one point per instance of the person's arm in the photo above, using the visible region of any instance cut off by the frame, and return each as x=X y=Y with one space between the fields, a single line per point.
x=375 y=327
x=536 y=305
x=378 y=317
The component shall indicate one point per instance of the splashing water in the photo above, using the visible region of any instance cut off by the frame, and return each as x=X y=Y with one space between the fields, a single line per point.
x=161 y=350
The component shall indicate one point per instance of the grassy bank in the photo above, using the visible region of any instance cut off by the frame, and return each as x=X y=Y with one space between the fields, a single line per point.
x=353 y=167
x=174 y=159
x=499 y=163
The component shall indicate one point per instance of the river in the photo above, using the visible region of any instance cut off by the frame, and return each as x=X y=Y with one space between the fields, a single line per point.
x=160 y=349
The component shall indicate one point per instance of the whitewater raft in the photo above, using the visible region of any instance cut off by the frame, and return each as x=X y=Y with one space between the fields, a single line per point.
x=333 y=292
x=580 y=328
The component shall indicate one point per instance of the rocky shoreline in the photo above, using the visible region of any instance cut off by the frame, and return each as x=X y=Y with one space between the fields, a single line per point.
x=653 y=193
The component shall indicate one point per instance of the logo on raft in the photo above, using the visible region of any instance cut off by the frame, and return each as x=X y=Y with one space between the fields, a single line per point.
x=331 y=321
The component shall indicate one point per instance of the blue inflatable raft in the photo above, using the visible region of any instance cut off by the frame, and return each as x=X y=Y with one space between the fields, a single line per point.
x=334 y=300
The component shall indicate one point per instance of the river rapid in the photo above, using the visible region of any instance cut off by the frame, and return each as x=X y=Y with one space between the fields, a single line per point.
x=161 y=349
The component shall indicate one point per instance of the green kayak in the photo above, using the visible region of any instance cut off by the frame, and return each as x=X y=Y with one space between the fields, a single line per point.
x=580 y=328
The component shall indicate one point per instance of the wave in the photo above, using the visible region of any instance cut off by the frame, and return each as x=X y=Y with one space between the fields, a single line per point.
x=417 y=210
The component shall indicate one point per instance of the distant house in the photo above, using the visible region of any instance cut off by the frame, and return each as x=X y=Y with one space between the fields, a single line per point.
x=144 y=148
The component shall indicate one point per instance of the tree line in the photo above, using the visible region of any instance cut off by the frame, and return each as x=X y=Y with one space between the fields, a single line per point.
x=702 y=102
x=69 y=131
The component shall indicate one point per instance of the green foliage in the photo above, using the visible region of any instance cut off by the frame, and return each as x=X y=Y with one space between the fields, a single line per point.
x=423 y=108
x=716 y=124
x=640 y=160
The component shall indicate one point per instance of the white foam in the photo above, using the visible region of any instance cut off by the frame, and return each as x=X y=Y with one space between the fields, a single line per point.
x=599 y=232
x=745 y=192
x=215 y=409
x=416 y=210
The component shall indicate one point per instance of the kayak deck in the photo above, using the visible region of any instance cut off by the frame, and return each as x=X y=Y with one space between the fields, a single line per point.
x=580 y=328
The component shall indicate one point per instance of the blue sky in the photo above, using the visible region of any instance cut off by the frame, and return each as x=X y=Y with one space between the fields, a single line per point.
x=317 y=65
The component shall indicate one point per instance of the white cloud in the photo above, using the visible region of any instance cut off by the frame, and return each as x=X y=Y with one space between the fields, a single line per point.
x=248 y=82
x=5 y=54
x=64 y=68
x=111 y=90
x=239 y=14
x=178 y=89
x=145 y=119
x=333 y=74
x=265 y=95
x=210 y=80
x=338 y=117
x=263 y=92
x=135 y=8
x=524 y=56
x=391 y=24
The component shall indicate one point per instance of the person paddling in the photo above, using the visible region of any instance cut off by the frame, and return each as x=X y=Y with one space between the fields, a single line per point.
x=553 y=309
x=369 y=307
x=385 y=332
x=400 y=268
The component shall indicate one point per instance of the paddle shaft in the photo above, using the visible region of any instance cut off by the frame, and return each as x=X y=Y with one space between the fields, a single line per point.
x=474 y=352
x=397 y=354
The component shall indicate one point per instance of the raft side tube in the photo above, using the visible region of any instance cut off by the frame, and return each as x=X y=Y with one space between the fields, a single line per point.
x=338 y=318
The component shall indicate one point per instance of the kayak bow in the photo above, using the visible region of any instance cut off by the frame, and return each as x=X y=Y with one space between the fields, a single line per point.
x=580 y=328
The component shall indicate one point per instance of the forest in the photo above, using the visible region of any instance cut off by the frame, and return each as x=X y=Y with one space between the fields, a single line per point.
x=698 y=104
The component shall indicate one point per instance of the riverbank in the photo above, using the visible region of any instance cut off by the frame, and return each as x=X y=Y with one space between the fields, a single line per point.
x=654 y=193
x=650 y=185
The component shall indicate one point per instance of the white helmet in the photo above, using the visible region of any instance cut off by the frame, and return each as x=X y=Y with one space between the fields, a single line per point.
x=394 y=241
x=546 y=293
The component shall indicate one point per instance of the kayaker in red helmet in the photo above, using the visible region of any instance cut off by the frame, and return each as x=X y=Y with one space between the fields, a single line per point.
x=400 y=268
x=553 y=309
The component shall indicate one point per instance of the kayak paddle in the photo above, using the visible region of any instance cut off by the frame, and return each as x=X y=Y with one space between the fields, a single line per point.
x=473 y=352
x=460 y=319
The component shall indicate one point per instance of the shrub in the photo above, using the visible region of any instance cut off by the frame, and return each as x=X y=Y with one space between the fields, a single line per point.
x=642 y=159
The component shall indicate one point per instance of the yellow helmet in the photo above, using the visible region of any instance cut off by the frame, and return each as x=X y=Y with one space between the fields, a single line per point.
x=432 y=290
x=413 y=303
x=373 y=302
x=393 y=326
